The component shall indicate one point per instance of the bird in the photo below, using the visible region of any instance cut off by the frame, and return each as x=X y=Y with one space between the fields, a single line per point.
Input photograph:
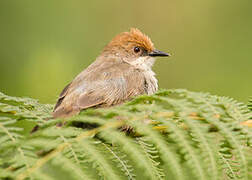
x=122 y=71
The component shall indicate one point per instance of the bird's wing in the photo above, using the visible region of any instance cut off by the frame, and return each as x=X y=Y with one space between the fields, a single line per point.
x=107 y=84
x=106 y=92
x=61 y=96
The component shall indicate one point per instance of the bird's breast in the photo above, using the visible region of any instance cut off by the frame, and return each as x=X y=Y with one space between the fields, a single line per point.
x=144 y=64
x=151 y=83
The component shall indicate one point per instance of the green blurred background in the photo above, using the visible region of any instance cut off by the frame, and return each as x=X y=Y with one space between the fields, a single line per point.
x=45 y=43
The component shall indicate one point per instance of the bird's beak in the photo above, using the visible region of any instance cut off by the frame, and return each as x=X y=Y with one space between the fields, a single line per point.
x=155 y=53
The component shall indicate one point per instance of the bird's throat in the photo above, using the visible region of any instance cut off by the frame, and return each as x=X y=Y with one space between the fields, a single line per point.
x=143 y=63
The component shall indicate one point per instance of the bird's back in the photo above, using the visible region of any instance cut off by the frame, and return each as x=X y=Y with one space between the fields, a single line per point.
x=114 y=82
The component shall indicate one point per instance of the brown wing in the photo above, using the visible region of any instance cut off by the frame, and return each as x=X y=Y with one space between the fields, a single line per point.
x=87 y=101
x=105 y=84
x=61 y=96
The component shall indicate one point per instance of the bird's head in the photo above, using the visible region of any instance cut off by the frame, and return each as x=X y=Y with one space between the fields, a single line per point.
x=133 y=47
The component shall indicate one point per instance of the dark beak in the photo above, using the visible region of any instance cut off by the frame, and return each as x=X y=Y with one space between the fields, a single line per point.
x=155 y=53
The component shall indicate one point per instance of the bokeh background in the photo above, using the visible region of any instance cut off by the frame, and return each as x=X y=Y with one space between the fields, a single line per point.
x=45 y=43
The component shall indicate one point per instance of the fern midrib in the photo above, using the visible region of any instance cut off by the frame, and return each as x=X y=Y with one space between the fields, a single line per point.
x=206 y=146
x=229 y=166
x=40 y=162
x=130 y=176
x=223 y=113
x=71 y=149
x=152 y=161
x=223 y=129
x=14 y=140
x=179 y=134
x=164 y=149
x=132 y=149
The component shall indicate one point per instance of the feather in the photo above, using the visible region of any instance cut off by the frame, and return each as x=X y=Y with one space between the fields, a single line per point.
x=113 y=85
x=117 y=75
x=62 y=95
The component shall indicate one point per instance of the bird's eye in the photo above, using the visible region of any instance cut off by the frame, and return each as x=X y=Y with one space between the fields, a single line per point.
x=136 y=49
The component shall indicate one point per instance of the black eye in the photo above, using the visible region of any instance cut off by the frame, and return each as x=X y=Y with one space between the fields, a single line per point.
x=136 y=49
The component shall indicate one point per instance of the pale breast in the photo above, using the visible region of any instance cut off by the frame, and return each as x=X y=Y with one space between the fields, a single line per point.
x=151 y=84
x=144 y=64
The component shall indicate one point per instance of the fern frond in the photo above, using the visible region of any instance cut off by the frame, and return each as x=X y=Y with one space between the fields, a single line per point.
x=206 y=146
x=215 y=117
x=175 y=134
x=129 y=147
x=187 y=149
x=101 y=163
x=24 y=108
x=123 y=164
x=250 y=104
x=168 y=154
x=152 y=154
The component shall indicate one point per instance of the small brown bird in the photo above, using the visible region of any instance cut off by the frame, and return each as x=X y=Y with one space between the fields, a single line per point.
x=122 y=71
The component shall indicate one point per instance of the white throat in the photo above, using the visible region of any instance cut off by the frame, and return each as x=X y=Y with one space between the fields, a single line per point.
x=144 y=63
